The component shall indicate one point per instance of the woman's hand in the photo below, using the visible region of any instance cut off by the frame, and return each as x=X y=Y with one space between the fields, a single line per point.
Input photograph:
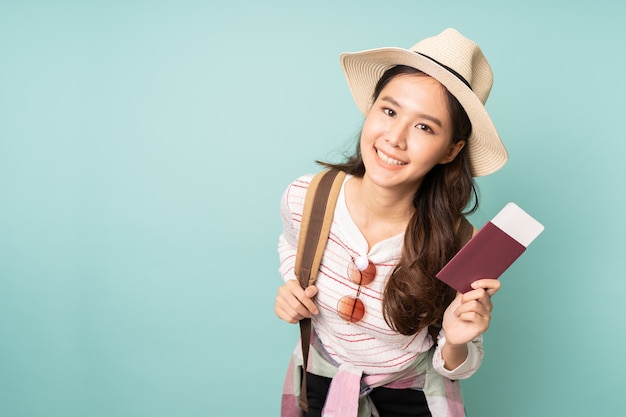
x=469 y=315
x=294 y=303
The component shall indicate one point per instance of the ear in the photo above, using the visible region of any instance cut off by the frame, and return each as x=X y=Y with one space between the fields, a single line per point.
x=454 y=150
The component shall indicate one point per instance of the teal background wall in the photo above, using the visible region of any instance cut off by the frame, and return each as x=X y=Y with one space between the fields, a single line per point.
x=144 y=147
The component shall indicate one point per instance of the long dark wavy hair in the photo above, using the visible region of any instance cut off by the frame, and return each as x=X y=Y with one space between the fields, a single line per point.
x=414 y=298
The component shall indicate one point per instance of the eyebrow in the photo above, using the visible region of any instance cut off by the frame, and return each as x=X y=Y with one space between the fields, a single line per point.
x=425 y=116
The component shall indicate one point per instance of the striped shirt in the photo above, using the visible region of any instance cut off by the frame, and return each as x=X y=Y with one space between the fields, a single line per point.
x=369 y=345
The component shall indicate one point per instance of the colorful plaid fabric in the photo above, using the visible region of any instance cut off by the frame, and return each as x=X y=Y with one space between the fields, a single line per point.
x=348 y=393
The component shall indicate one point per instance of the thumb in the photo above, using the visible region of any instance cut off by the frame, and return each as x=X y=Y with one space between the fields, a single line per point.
x=310 y=291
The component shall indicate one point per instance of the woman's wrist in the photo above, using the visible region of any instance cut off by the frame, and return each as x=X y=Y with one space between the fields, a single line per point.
x=453 y=355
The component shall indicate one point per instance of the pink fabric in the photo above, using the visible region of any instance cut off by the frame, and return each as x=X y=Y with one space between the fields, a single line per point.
x=455 y=400
x=289 y=403
x=343 y=394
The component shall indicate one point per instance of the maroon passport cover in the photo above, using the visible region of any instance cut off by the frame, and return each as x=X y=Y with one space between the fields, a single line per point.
x=487 y=255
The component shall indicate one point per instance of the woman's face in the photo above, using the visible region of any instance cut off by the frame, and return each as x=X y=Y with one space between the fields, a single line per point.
x=407 y=132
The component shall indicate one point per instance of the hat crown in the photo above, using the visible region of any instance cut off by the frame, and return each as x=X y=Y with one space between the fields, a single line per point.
x=461 y=55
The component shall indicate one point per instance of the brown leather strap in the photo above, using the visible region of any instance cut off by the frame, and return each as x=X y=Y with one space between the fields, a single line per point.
x=317 y=216
x=305 y=341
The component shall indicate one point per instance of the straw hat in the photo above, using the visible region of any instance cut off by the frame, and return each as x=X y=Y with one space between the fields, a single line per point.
x=454 y=61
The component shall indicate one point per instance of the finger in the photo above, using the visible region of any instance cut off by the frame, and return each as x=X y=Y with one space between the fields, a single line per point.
x=490 y=285
x=471 y=309
x=480 y=295
x=480 y=318
x=303 y=297
x=310 y=291
x=283 y=315
x=475 y=317
x=289 y=308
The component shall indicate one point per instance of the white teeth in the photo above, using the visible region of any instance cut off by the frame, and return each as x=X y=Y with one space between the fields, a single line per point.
x=388 y=160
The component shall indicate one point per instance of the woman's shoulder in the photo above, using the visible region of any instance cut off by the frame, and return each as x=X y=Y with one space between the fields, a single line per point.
x=294 y=194
x=300 y=185
x=297 y=189
x=303 y=181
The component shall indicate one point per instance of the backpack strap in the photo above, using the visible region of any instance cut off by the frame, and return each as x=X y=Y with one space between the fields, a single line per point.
x=317 y=217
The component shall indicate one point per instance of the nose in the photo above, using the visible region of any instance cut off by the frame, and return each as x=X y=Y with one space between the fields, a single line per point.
x=396 y=134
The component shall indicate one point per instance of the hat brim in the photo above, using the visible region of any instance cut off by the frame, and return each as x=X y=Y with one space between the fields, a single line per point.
x=363 y=70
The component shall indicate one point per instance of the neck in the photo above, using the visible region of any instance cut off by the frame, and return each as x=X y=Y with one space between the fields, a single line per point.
x=379 y=212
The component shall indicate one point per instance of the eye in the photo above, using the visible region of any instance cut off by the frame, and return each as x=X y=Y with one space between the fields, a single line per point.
x=425 y=128
x=389 y=112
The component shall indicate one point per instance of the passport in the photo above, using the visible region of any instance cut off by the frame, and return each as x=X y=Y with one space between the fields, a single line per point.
x=493 y=249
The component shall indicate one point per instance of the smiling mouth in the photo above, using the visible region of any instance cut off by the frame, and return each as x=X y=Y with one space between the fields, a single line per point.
x=388 y=160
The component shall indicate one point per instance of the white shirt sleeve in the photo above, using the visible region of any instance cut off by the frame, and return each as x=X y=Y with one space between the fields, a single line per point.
x=291 y=205
x=471 y=364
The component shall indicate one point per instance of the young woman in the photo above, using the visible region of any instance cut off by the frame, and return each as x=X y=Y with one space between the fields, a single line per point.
x=426 y=135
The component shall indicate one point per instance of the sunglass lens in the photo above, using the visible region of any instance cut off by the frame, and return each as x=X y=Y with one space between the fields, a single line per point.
x=362 y=273
x=350 y=309
x=368 y=274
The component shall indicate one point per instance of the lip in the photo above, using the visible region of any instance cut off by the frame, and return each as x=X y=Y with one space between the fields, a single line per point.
x=385 y=160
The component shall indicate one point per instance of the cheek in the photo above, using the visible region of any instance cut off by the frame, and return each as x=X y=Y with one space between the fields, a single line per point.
x=426 y=151
x=367 y=126
x=372 y=127
x=445 y=155
x=367 y=132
